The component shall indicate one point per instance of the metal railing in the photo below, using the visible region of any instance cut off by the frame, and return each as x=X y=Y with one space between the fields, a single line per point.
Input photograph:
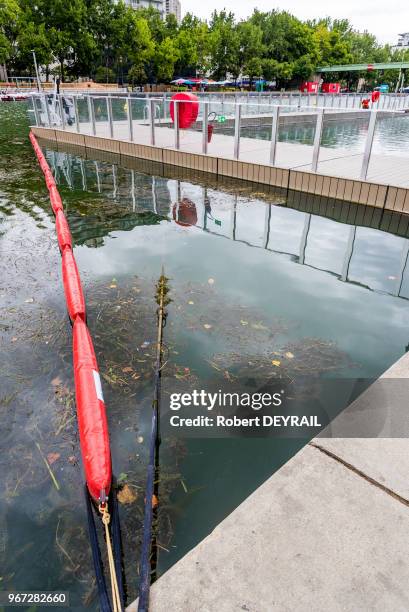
x=226 y=128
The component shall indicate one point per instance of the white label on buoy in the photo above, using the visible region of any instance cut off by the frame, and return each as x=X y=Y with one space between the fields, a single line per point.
x=98 y=388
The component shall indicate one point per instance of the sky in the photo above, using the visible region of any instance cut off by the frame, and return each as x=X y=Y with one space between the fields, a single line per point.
x=384 y=18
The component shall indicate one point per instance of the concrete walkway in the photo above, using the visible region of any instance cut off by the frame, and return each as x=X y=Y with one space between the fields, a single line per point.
x=327 y=532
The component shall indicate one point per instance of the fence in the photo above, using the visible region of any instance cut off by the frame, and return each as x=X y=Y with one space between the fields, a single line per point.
x=284 y=135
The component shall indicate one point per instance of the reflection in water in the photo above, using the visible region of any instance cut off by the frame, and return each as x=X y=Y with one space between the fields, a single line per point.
x=351 y=253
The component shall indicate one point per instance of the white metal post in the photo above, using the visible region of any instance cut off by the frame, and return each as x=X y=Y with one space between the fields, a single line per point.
x=77 y=116
x=274 y=134
x=176 y=123
x=60 y=98
x=109 y=111
x=164 y=107
x=47 y=109
x=129 y=115
x=91 y=114
x=152 y=121
x=36 y=115
x=368 y=144
x=237 y=122
x=205 y=126
x=317 y=140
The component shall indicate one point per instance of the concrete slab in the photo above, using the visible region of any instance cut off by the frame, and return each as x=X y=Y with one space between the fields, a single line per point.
x=381 y=414
x=315 y=536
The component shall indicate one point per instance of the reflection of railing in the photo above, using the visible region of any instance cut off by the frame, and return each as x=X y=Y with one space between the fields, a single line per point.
x=143 y=119
x=161 y=202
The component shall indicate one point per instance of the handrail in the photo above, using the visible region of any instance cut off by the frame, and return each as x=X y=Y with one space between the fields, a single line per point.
x=64 y=111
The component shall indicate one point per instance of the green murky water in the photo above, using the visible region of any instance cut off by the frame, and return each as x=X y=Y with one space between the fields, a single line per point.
x=255 y=278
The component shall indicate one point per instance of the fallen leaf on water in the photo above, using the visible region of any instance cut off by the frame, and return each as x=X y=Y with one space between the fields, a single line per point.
x=276 y=362
x=53 y=457
x=139 y=439
x=289 y=355
x=127 y=495
x=112 y=286
x=190 y=302
x=207 y=326
x=258 y=326
x=29 y=301
x=244 y=322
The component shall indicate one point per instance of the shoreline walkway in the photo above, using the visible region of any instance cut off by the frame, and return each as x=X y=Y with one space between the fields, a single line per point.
x=328 y=531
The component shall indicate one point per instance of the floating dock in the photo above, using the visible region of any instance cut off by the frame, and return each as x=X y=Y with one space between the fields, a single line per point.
x=387 y=186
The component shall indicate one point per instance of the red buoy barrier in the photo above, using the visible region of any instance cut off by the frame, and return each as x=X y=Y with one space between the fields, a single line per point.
x=55 y=199
x=63 y=231
x=74 y=295
x=92 y=421
x=188 y=108
x=49 y=179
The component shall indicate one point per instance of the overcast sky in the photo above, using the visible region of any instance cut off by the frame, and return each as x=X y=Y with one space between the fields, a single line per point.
x=384 y=18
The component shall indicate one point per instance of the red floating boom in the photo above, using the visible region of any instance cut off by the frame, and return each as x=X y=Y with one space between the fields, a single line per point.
x=92 y=420
x=74 y=295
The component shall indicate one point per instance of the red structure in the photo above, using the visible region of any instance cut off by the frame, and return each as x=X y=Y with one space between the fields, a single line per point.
x=188 y=108
x=92 y=420
x=309 y=87
x=333 y=88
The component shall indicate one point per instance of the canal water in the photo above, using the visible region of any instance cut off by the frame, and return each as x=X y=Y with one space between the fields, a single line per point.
x=264 y=287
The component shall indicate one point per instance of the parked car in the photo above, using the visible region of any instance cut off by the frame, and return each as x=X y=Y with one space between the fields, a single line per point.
x=405 y=90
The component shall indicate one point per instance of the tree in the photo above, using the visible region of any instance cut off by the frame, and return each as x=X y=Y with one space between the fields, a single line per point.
x=166 y=56
x=224 y=45
x=250 y=50
x=9 y=17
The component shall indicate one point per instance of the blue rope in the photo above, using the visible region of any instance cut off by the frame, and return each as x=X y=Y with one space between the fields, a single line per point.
x=145 y=565
x=96 y=556
x=104 y=602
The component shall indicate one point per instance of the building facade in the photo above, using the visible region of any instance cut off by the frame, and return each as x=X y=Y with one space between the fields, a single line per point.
x=403 y=42
x=173 y=7
x=165 y=7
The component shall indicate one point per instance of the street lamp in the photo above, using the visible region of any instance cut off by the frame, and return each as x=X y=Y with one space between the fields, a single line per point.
x=36 y=69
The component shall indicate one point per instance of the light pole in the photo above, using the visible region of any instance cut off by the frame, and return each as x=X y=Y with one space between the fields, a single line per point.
x=36 y=69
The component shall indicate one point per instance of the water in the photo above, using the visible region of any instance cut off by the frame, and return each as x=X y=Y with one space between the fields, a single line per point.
x=257 y=276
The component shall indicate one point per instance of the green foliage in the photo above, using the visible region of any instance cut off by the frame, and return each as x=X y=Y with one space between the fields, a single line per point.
x=100 y=38
x=9 y=18
x=103 y=74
